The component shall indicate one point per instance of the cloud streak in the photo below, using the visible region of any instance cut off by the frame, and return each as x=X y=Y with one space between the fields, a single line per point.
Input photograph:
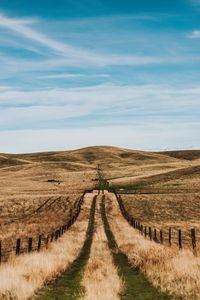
x=74 y=54
x=72 y=76
x=107 y=104
x=101 y=80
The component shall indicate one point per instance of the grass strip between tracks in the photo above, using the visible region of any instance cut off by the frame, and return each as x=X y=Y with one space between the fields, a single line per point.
x=136 y=285
x=68 y=286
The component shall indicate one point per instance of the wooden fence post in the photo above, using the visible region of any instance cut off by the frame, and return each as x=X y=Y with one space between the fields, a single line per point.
x=47 y=241
x=68 y=224
x=161 y=237
x=0 y=252
x=52 y=236
x=155 y=235
x=180 y=239
x=193 y=237
x=18 y=243
x=150 y=233
x=30 y=243
x=39 y=242
x=170 y=237
x=145 y=231
x=134 y=223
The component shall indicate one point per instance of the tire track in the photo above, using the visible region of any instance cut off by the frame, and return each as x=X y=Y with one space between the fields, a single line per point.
x=68 y=286
x=101 y=280
x=136 y=285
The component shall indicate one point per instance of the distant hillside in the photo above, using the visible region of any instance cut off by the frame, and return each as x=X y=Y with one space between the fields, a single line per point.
x=123 y=168
x=183 y=154
x=103 y=155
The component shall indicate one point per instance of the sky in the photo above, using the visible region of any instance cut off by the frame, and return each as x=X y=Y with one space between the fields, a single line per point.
x=76 y=73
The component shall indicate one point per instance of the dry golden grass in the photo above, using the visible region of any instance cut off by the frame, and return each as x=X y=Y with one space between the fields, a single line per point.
x=167 y=268
x=100 y=276
x=38 y=194
x=21 y=277
x=164 y=187
x=25 y=186
x=171 y=182
x=178 y=211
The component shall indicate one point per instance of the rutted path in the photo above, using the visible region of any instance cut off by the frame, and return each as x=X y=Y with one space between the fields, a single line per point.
x=136 y=286
x=68 y=286
x=101 y=280
x=102 y=270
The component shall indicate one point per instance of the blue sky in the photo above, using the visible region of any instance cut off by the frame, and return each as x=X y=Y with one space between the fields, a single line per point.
x=99 y=72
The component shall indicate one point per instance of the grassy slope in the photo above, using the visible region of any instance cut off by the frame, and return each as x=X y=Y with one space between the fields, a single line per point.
x=184 y=154
x=69 y=285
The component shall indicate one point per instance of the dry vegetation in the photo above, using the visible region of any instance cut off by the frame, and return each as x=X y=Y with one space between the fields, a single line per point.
x=36 y=188
x=161 y=211
x=172 y=270
x=39 y=192
x=100 y=277
x=24 y=275
x=159 y=189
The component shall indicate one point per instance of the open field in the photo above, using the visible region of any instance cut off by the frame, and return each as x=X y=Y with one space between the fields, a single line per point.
x=160 y=190
x=40 y=192
x=108 y=263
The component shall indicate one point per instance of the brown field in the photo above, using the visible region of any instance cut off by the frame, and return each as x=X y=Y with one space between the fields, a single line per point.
x=161 y=190
x=39 y=191
x=32 y=271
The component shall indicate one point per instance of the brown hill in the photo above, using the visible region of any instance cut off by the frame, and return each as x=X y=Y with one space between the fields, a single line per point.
x=94 y=155
x=183 y=154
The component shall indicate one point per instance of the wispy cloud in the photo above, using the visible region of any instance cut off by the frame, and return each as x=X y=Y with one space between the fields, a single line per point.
x=50 y=94
x=117 y=104
x=195 y=34
x=74 y=54
x=72 y=76
x=20 y=26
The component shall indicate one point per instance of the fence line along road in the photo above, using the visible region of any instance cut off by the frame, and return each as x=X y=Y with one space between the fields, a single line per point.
x=42 y=241
x=153 y=233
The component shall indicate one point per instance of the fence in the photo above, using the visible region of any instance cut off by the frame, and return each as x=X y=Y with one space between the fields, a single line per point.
x=154 y=234
x=41 y=241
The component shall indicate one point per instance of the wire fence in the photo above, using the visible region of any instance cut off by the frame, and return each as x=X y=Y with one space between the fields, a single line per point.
x=30 y=244
x=158 y=235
